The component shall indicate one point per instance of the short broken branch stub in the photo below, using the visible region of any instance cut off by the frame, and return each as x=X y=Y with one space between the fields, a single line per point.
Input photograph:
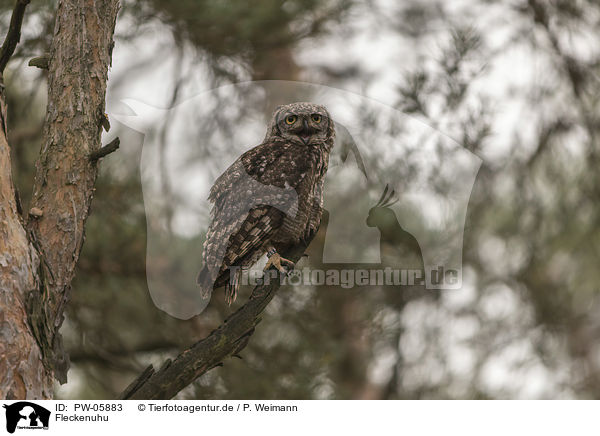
x=107 y=149
x=41 y=62
x=36 y=212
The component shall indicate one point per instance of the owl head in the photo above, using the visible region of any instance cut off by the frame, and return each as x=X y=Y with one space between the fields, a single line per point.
x=305 y=124
x=381 y=215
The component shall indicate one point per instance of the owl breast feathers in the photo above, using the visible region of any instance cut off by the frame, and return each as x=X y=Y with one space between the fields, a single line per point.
x=270 y=198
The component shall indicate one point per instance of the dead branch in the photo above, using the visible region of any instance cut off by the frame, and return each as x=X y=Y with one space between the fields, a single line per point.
x=41 y=62
x=226 y=341
x=107 y=149
x=14 y=33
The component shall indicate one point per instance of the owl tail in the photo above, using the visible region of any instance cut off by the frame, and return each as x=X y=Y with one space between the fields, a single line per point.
x=231 y=288
x=206 y=283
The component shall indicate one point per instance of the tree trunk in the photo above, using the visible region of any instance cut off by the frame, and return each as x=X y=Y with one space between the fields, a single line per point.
x=21 y=372
x=37 y=265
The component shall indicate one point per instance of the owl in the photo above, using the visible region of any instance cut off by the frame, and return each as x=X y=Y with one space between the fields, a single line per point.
x=269 y=199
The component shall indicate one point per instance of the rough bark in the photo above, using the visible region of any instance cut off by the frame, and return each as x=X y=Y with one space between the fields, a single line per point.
x=65 y=176
x=37 y=264
x=225 y=341
x=21 y=373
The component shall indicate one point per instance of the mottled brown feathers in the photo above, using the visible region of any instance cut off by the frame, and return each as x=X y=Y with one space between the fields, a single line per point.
x=272 y=194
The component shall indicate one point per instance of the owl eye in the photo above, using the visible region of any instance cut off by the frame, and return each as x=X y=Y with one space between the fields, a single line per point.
x=291 y=119
x=316 y=118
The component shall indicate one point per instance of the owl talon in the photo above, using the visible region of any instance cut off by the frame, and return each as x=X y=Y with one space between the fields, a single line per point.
x=277 y=261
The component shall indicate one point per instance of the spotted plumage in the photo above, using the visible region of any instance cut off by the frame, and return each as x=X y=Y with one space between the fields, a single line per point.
x=270 y=198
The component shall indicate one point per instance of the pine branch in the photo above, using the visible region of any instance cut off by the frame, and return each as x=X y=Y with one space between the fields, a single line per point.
x=14 y=33
x=227 y=340
x=107 y=149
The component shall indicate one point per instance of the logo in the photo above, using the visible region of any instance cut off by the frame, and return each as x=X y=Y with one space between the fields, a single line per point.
x=395 y=194
x=26 y=415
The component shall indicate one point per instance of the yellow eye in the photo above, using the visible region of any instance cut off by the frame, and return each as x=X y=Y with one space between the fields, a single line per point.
x=291 y=119
x=316 y=118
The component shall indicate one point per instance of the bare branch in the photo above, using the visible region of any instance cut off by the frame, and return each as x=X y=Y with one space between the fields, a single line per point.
x=138 y=382
x=41 y=62
x=225 y=341
x=14 y=33
x=107 y=149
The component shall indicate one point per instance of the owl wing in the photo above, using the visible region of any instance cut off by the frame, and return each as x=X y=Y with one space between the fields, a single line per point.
x=255 y=231
x=250 y=200
x=316 y=210
x=256 y=163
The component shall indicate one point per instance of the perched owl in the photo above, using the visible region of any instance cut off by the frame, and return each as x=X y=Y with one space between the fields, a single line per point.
x=269 y=199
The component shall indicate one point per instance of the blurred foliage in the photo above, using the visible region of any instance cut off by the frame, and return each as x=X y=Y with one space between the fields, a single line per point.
x=529 y=310
x=251 y=31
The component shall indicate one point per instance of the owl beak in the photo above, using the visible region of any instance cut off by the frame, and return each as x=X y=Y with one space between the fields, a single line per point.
x=305 y=137
x=304 y=134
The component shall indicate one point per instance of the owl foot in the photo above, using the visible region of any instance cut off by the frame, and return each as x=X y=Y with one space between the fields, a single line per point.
x=277 y=261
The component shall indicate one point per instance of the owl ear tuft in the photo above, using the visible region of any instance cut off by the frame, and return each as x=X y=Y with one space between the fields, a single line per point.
x=331 y=127
x=273 y=129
